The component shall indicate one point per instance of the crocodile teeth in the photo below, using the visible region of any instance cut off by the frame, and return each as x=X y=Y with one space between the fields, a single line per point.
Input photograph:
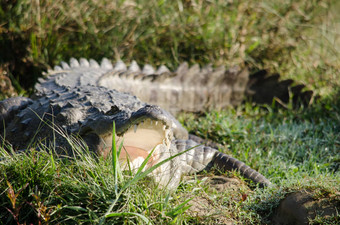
x=135 y=128
x=164 y=127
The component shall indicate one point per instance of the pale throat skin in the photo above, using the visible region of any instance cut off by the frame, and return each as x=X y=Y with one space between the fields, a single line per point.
x=138 y=142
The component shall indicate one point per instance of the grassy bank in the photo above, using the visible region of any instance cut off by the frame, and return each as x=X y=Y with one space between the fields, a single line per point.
x=296 y=148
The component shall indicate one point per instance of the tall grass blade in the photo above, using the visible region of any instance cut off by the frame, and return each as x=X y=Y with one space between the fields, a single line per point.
x=115 y=163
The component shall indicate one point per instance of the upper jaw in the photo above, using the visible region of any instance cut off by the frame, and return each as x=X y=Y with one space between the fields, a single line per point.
x=151 y=112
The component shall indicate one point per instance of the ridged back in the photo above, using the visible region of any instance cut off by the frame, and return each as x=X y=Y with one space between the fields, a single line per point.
x=190 y=89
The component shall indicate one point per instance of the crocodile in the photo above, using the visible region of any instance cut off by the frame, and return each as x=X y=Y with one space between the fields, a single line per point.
x=58 y=113
x=190 y=89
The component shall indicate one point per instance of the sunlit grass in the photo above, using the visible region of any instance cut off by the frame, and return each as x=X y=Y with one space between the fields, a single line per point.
x=83 y=189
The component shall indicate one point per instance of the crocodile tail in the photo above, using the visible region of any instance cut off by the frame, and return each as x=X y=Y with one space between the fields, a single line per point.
x=204 y=158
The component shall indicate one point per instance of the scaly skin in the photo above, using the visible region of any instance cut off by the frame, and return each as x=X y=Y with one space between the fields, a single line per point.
x=188 y=89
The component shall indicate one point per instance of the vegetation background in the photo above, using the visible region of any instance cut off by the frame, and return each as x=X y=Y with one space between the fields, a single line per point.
x=297 y=149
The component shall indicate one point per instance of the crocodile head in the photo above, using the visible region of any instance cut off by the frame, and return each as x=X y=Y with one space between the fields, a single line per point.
x=90 y=112
x=149 y=128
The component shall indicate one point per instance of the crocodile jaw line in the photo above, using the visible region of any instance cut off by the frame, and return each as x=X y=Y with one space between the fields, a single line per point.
x=139 y=140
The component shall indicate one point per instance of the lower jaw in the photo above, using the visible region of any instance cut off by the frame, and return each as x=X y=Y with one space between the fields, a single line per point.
x=135 y=156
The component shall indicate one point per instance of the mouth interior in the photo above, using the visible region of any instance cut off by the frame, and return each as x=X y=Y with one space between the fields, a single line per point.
x=140 y=139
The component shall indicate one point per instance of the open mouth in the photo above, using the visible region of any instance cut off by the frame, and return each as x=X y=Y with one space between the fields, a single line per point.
x=139 y=140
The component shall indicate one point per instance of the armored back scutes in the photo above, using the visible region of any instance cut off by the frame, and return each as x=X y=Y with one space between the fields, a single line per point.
x=191 y=89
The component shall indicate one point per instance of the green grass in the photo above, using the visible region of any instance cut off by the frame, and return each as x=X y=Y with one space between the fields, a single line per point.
x=39 y=187
x=296 y=148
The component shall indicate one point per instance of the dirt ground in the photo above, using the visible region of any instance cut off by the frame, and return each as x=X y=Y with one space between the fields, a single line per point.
x=299 y=207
